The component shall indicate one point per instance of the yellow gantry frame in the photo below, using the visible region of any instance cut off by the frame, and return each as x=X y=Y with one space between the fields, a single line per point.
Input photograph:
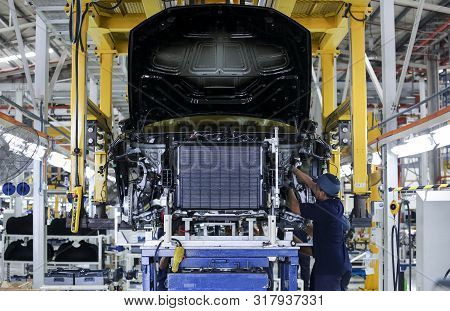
x=327 y=50
x=101 y=25
x=358 y=95
x=335 y=28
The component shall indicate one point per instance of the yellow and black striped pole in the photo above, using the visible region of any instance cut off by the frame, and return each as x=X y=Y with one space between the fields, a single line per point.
x=414 y=188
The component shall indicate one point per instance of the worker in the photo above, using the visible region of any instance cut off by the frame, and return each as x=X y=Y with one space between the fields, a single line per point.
x=332 y=265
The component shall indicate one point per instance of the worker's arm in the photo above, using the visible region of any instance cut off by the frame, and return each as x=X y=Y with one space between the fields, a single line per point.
x=306 y=179
x=306 y=210
x=294 y=205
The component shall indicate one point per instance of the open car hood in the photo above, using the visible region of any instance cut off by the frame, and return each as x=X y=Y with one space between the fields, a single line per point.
x=219 y=59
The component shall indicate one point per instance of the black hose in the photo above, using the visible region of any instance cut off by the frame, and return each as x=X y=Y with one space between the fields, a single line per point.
x=156 y=259
x=349 y=11
x=406 y=202
x=395 y=234
x=394 y=268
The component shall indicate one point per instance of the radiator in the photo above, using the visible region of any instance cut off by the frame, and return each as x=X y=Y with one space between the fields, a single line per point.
x=219 y=177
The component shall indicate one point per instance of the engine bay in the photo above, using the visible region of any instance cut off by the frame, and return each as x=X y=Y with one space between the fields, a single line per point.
x=222 y=173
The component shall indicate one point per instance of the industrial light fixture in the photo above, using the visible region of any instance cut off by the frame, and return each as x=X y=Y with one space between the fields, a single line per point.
x=415 y=145
x=441 y=136
x=57 y=159
x=18 y=56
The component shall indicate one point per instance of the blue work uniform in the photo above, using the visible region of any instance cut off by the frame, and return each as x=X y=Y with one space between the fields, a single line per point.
x=332 y=264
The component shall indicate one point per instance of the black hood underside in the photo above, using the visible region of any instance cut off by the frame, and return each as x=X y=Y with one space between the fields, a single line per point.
x=219 y=60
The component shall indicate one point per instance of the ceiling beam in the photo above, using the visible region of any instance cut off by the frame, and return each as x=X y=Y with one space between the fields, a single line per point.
x=426 y=7
x=21 y=26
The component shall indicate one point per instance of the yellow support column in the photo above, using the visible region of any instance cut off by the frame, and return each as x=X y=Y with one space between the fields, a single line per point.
x=100 y=156
x=329 y=102
x=106 y=68
x=78 y=113
x=358 y=101
x=372 y=280
x=328 y=82
x=56 y=208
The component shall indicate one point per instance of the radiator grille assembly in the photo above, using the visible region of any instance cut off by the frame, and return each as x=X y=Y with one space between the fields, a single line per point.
x=219 y=177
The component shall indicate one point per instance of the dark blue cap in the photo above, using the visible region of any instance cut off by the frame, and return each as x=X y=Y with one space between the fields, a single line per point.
x=329 y=184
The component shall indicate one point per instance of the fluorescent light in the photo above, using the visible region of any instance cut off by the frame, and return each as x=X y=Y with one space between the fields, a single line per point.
x=442 y=136
x=18 y=56
x=57 y=159
x=67 y=166
x=415 y=145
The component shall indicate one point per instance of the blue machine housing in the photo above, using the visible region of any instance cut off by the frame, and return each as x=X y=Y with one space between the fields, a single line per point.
x=217 y=281
x=237 y=269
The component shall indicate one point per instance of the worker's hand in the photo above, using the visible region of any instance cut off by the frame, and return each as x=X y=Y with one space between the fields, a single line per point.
x=298 y=173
